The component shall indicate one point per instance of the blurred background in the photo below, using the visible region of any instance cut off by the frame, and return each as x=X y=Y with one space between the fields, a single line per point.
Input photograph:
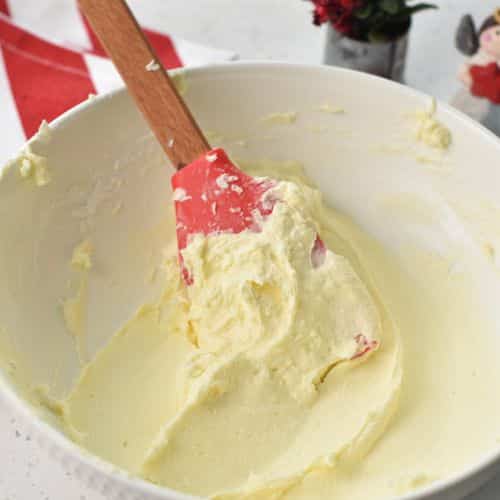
x=405 y=40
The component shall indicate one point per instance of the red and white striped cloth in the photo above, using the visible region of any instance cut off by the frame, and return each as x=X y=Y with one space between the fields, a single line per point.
x=50 y=60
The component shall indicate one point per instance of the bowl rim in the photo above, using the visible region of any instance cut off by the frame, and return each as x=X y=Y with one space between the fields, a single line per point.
x=15 y=402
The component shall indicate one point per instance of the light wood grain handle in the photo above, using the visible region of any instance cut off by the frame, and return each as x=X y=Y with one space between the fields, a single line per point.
x=146 y=79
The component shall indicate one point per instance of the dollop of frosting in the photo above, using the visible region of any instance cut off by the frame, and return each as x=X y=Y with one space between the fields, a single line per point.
x=270 y=320
x=277 y=360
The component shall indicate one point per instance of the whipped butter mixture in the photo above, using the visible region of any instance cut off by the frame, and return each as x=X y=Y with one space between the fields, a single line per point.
x=286 y=371
x=292 y=370
x=279 y=359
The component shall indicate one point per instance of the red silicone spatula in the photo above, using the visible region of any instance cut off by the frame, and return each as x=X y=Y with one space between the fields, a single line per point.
x=211 y=194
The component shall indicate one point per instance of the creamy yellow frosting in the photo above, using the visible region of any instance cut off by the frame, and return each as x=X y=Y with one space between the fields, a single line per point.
x=270 y=328
x=431 y=131
x=256 y=374
x=286 y=118
x=75 y=307
x=34 y=166
x=333 y=110
x=224 y=404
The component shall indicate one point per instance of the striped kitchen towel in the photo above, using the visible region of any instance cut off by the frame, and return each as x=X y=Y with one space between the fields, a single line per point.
x=50 y=60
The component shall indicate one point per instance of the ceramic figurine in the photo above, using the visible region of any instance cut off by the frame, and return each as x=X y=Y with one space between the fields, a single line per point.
x=481 y=72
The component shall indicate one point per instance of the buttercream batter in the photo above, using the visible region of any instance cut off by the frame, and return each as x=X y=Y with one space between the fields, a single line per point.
x=206 y=391
x=268 y=355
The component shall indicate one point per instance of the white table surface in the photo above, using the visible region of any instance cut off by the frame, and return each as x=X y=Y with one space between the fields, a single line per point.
x=255 y=29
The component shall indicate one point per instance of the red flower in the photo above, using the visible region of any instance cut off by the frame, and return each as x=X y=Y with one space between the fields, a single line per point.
x=366 y=19
x=349 y=4
x=337 y=12
x=320 y=13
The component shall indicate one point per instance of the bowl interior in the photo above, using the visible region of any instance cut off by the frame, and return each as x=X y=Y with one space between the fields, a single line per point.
x=110 y=184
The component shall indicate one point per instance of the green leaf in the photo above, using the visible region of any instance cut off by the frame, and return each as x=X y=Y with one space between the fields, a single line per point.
x=365 y=12
x=390 y=6
x=410 y=10
x=376 y=36
x=382 y=20
x=378 y=17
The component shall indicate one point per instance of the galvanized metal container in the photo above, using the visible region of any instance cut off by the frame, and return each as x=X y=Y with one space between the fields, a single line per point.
x=386 y=59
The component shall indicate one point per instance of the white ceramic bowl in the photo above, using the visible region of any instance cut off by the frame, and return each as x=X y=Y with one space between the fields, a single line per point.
x=103 y=157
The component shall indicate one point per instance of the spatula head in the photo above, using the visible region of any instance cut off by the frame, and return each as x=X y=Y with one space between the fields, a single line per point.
x=213 y=196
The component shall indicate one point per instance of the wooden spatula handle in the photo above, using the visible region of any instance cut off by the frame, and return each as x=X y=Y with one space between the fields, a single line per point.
x=153 y=90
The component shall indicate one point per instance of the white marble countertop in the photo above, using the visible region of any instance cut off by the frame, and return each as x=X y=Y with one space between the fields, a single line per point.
x=255 y=29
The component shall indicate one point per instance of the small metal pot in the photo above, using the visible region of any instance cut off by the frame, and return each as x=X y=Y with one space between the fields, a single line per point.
x=385 y=59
